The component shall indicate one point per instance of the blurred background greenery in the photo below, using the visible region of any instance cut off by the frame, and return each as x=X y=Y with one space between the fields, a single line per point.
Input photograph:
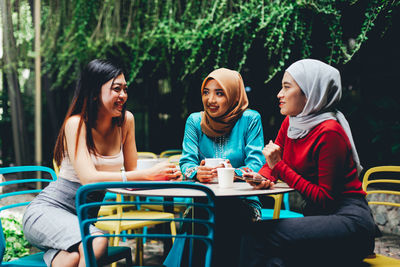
x=168 y=47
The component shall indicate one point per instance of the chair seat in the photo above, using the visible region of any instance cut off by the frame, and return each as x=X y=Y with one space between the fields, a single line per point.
x=147 y=216
x=107 y=210
x=378 y=260
x=34 y=260
x=266 y=214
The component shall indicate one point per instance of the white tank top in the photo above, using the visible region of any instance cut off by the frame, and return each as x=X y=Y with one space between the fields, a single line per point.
x=102 y=163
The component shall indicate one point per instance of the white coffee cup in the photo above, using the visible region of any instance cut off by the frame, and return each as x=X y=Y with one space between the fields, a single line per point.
x=146 y=163
x=225 y=177
x=213 y=162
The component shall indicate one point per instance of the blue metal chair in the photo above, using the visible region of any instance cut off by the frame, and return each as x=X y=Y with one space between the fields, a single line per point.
x=47 y=175
x=35 y=259
x=277 y=212
x=175 y=254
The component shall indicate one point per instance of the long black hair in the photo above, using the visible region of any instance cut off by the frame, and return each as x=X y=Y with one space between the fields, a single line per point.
x=86 y=103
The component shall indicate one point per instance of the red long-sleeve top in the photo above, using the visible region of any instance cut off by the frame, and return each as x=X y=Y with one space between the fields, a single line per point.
x=320 y=165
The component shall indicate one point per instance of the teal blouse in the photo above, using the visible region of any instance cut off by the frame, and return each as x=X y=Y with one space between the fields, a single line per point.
x=242 y=146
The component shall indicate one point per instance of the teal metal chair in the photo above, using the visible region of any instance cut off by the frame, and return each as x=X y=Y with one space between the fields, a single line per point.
x=277 y=212
x=174 y=256
x=26 y=183
x=23 y=183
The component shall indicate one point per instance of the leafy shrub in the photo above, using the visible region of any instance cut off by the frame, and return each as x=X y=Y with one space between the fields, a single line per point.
x=16 y=244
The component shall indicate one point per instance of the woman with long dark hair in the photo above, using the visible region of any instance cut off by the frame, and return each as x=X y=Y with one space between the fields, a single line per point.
x=96 y=143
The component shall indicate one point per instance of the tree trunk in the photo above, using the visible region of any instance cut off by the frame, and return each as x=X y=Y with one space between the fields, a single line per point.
x=52 y=111
x=21 y=148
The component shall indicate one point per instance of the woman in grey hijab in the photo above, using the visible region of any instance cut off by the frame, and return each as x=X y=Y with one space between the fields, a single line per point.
x=314 y=153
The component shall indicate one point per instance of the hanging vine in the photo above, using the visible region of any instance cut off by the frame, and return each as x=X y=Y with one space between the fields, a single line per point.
x=195 y=36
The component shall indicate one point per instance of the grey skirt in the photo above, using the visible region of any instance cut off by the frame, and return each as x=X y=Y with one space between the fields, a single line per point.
x=50 y=222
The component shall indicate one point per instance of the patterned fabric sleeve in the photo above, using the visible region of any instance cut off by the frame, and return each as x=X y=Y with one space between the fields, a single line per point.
x=190 y=150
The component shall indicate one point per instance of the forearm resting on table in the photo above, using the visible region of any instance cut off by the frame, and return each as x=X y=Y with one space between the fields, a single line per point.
x=93 y=176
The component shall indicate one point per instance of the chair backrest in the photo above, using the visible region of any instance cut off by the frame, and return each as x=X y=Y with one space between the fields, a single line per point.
x=21 y=178
x=379 y=180
x=23 y=185
x=207 y=204
x=147 y=155
x=170 y=152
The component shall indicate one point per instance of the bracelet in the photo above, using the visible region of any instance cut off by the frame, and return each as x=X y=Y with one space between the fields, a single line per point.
x=189 y=172
x=123 y=174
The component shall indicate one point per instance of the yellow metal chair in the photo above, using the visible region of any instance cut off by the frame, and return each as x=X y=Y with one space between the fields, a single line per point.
x=170 y=152
x=277 y=212
x=277 y=205
x=116 y=227
x=377 y=260
x=370 y=178
x=146 y=155
x=175 y=159
x=367 y=181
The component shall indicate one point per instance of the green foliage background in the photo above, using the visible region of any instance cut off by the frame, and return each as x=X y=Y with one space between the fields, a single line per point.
x=195 y=35
x=175 y=43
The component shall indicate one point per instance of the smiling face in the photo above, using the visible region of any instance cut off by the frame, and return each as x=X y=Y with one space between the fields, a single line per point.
x=214 y=99
x=291 y=99
x=113 y=96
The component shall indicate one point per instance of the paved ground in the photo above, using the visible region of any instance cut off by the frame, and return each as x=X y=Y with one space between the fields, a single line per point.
x=388 y=245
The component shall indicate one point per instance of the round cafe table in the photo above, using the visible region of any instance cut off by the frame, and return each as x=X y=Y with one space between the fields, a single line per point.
x=239 y=189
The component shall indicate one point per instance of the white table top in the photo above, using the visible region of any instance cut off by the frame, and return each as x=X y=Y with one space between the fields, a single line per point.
x=238 y=189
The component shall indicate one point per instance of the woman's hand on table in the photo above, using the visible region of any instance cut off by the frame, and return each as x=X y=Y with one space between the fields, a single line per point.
x=226 y=164
x=164 y=171
x=205 y=174
x=263 y=182
x=272 y=153
x=178 y=175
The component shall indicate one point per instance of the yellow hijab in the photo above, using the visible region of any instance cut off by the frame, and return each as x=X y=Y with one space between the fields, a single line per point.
x=232 y=84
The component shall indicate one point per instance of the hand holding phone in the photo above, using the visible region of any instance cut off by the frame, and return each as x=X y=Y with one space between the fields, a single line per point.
x=256 y=180
x=253 y=177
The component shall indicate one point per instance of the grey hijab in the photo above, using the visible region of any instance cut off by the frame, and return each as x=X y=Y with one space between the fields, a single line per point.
x=321 y=85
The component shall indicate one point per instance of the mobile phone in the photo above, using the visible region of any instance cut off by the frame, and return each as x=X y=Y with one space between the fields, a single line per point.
x=250 y=179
